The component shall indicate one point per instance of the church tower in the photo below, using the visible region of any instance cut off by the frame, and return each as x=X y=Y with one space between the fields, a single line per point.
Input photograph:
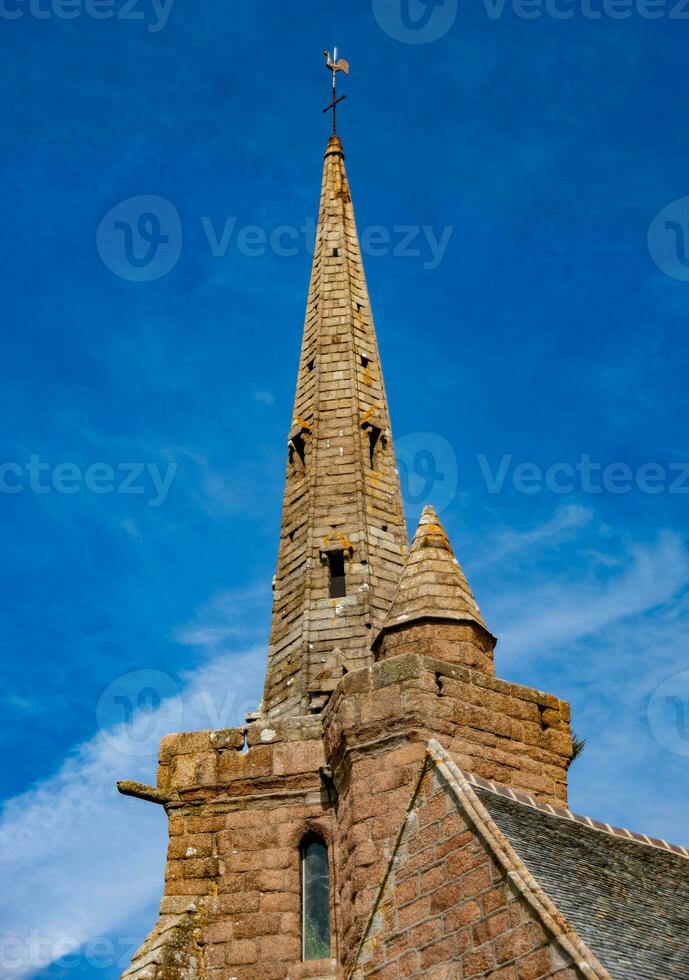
x=343 y=535
x=282 y=831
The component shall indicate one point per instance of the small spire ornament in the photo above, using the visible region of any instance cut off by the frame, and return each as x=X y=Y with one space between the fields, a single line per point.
x=335 y=64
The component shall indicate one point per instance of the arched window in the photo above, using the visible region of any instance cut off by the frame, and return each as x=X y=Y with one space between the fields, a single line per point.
x=315 y=898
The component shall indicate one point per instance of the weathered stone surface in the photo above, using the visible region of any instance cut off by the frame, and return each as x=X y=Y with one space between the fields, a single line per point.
x=342 y=489
x=432 y=586
x=342 y=735
x=448 y=909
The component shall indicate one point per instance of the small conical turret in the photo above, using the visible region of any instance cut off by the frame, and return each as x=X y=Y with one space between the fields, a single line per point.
x=434 y=609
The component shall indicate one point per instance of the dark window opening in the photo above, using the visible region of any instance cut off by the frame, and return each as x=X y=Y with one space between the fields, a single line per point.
x=298 y=446
x=364 y=360
x=336 y=565
x=311 y=365
x=315 y=900
x=374 y=434
x=290 y=535
x=385 y=527
x=336 y=252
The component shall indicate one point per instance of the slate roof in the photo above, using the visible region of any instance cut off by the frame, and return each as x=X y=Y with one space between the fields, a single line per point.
x=629 y=901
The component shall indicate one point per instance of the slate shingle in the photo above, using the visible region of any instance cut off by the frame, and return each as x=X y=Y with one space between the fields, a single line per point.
x=628 y=901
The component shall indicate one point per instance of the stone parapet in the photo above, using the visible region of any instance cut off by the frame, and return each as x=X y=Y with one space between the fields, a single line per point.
x=241 y=761
x=502 y=731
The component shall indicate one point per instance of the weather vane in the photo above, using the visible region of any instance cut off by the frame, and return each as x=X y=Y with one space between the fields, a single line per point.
x=335 y=65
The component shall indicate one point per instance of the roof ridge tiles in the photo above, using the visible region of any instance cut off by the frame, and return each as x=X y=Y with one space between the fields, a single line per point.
x=564 y=813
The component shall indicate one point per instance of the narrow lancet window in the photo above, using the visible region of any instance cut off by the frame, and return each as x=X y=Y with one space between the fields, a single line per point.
x=298 y=447
x=336 y=565
x=315 y=888
x=374 y=434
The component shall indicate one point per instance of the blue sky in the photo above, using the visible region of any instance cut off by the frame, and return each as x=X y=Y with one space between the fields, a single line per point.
x=550 y=327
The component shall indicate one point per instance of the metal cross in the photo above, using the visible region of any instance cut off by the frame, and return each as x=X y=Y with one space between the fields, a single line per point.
x=334 y=65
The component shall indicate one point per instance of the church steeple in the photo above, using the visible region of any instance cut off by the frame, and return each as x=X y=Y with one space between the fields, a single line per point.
x=343 y=536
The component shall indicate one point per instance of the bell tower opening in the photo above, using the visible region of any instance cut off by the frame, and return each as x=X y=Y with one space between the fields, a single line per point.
x=336 y=569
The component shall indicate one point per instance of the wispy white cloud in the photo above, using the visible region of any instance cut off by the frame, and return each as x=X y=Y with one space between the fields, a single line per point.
x=571 y=608
x=222 y=618
x=602 y=621
x=562 y=526
x=82 y=859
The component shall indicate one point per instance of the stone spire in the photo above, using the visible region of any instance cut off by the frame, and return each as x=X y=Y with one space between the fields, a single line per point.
x=343 y=535
x=434 y=589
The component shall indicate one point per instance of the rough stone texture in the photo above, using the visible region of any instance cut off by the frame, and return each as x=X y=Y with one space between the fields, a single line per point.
x=236 y=820
x=448 y=910
x=241 y=800
x=172 y=951
x=342 y=489
x=347 y=725
x=432 y=585
x=376 y=728
x=465 y=644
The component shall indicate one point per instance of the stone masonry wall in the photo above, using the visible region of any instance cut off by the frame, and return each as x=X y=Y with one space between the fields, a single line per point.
x=447 y=909
x=376 y=728
x=232 y=902
x=241 y=800
x=454 y=643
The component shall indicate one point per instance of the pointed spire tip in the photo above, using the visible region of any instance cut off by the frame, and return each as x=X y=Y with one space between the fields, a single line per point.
x=334 y=146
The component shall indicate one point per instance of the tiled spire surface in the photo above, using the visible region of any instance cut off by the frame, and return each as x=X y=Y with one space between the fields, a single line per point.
x=432 y=585
x=342 y=509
